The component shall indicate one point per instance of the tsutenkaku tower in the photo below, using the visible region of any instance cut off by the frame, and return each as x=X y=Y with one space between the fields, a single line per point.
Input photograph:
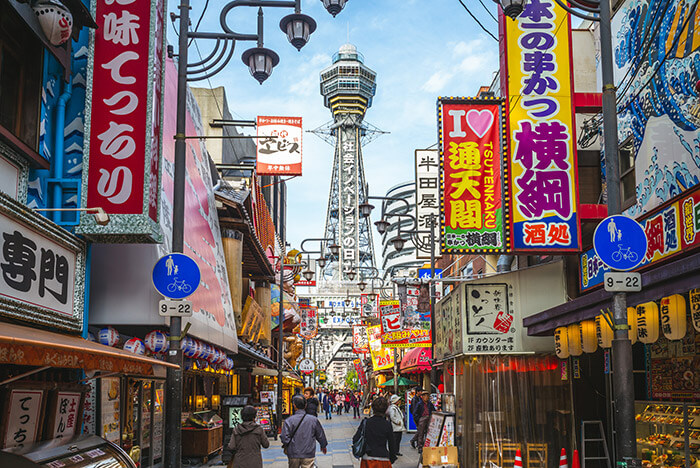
x=348 y=87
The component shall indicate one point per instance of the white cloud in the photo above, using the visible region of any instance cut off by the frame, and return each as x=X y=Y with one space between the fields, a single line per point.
x=437 y=81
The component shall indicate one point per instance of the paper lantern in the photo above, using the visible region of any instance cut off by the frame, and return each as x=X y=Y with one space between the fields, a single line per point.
x=604 y=333
x=135 y=345
x=228 y=364
x=188 y=346
x=197 y=349
x=204 y=353
x=648 y=322
x=108 y=336
x=632 y=324
x=589 y=338
x=673 y=323
x=157 y=342
x=202 y=364
x=561 y=343
x=91 y=337
x=55 y=20
x=574 y=336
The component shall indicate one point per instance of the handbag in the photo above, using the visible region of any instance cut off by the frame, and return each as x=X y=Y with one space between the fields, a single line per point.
x=286 y=446
x=359 y=446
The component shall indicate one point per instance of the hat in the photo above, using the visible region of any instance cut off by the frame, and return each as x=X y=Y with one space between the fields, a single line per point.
x=395 y=398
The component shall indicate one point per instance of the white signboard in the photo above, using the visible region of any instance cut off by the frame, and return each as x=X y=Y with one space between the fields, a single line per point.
x=348 y=216
x=427 y=200
x=307 y=366
x=178 y=308
x=66 y=417
x=279 y=145
x=622 y=281
x=23 y=420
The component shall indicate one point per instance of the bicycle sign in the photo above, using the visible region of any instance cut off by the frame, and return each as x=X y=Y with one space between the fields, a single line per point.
x=620 y=242
x=176 y=276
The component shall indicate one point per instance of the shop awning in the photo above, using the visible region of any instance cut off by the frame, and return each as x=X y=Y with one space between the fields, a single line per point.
x=675 y=277
x=416 y=361
x=403 y=382
x=33 y=347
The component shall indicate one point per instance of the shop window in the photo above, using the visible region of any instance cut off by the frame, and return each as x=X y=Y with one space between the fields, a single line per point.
x=20 y=78
x=628 y=182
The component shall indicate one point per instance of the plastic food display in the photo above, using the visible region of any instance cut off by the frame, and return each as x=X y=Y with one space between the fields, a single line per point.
x=667 y=434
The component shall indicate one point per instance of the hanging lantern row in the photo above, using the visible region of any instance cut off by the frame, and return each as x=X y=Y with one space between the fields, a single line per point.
x=646 y=322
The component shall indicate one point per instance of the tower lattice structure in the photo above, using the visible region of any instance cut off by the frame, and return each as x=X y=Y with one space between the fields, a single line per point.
x=348 y=87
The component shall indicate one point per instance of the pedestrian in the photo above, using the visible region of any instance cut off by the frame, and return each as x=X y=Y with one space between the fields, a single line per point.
x=246 y=440
x=300 y=432
x=421 y=414
x=414 y=401
x=327 y=405
x=312 y=403
x=380 y=444
x=339 y=403
x=396 y=417
x=355 y=403
x=347 y=401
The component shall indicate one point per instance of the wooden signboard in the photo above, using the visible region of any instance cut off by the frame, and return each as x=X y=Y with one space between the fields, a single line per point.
x=22 y=414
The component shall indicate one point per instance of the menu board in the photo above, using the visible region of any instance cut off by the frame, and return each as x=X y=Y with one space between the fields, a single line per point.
x=22 y=424
x=109 y=409
x=432 y=435
x=263 y=417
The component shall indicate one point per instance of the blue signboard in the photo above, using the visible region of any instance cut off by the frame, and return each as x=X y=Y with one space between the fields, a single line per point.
x=176 y=276
x=424 y=273
x=620 y=242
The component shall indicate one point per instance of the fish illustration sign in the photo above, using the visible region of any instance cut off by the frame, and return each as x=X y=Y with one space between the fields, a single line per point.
x=176 y=276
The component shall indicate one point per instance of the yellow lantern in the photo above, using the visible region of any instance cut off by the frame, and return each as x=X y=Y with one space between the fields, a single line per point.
x=561 y=343
x=603 y=332
x=632 y=324
x=574 y=337
x=589 y=342
x=648 y=322
x=673 y=317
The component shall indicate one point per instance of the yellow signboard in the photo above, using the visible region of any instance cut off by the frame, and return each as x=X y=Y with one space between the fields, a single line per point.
x=382 y=358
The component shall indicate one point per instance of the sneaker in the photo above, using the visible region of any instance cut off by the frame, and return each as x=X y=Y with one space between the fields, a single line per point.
x=413 y=444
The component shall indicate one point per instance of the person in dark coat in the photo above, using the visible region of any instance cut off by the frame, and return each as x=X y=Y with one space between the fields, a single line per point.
x=246 y=440
x=421 y=414
x=312 y=402
x=414 y=402
x=328 y=405
x=380 y=444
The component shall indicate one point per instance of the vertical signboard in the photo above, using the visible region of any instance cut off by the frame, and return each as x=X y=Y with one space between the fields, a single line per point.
x=382 y=358
x=471 y=133
x=348 y=216
x=542 y=175
x=427 y=200
x=121 y=165
x=308 y=327
x=22 y=417
x=279 y=146
x=360 y=369
x=359 y=339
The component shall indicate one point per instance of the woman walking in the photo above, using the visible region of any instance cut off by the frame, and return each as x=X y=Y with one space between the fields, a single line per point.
x=246 y=440
x=380 y=444
x=396 y=418
x=339 y=400
x=355 y=403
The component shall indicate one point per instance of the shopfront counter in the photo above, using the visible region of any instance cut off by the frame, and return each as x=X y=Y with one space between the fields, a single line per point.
x=201 y=442
x=668 y=434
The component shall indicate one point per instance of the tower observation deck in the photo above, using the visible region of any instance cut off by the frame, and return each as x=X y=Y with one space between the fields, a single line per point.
x=348 y=87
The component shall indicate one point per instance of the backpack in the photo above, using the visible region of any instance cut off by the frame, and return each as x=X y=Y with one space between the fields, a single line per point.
x=359 y=446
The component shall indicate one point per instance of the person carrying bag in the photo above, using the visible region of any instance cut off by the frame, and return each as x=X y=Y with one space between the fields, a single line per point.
x=246 y=441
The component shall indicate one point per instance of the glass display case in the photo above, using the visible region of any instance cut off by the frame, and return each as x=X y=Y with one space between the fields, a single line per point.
x=668 y=434
x=83 y=451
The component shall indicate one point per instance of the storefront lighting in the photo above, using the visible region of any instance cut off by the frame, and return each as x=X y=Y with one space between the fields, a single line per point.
x=298 y=28
x=512 y=8
x=366 y=209
x=260 y=61
x=334 y=6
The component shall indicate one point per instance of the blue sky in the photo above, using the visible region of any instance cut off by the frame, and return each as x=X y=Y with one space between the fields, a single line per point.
x=420 y=49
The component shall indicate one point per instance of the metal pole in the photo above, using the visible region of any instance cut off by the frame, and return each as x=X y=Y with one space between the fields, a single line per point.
x=396 y=372
x=623 y=379
x=433 y=372
x=280 y=345
x=173 y=405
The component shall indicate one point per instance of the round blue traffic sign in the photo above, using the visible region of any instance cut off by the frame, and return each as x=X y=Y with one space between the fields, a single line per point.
x=620 y=242
x=176 y=276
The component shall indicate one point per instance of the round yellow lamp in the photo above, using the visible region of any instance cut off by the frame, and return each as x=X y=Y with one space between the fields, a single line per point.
x=648 y=322
x=589 y=341
x=673 y=323
x=561 y=343
x=603 y=332
x=574 y=337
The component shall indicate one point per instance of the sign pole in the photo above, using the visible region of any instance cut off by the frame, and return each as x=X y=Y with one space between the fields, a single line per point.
x=280 y=343
x=623 y=379
x=433 y=371
x=173 y=403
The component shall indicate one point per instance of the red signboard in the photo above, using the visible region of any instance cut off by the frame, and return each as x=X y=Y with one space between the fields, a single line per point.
x=360 y=371
x=471 y=151
x=279 y=146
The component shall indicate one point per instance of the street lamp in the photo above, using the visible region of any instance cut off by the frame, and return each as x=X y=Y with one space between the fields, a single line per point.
x=351 y=275
x=362 y=285
x=398 y=242
x=260 y=61
x=622 y=370
x=512 y=8
x=321 y=261
x=366 y=209
x=382 y=225
x=334 y=6
x=308 y=275
x=298 y=28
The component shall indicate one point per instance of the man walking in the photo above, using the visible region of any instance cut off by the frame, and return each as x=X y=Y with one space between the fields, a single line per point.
x=422 y=413
x=327 y=405
x=299 y=435
x=414 y=403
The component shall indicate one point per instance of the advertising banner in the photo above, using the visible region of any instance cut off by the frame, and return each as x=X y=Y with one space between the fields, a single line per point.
x=279 y=146
x=369 y=304
x=427 y=200
x=121 y=163
x=670 y=229
x=360 y=369
x=471 y=134
x=542 y=177
x=359 y=339
x=414 y=322
x=308 y=327
x=390 y=312
x=382 y=358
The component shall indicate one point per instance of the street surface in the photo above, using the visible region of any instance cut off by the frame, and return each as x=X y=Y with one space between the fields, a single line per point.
x=339 y=432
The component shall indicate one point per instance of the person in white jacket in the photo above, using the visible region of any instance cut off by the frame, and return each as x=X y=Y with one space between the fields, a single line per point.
x=396 y=417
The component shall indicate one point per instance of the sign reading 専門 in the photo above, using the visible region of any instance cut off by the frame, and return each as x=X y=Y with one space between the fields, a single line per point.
x=542 y=175
x=121 y=166
x=470 y=139
x=279 y=145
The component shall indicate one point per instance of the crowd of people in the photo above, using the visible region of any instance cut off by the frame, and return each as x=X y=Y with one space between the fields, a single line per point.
x=379 y=435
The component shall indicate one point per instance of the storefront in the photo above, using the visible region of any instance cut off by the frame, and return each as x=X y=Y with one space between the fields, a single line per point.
x=504 y=387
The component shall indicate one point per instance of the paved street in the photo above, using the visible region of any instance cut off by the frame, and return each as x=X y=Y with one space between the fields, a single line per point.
x=339 y=432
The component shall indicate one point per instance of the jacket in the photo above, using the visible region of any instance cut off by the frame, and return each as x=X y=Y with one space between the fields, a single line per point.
x=246 y=440
x=396 y=417
x=418 y=410
x=378 y=436
x=326 y=402
x=312 y=405
x=304 y=443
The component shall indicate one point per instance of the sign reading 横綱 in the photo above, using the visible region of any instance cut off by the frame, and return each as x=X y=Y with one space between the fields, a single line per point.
x=121 y=166
x=427 y=200
x=471 y=135
x=542 y=177
x=279 y=146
